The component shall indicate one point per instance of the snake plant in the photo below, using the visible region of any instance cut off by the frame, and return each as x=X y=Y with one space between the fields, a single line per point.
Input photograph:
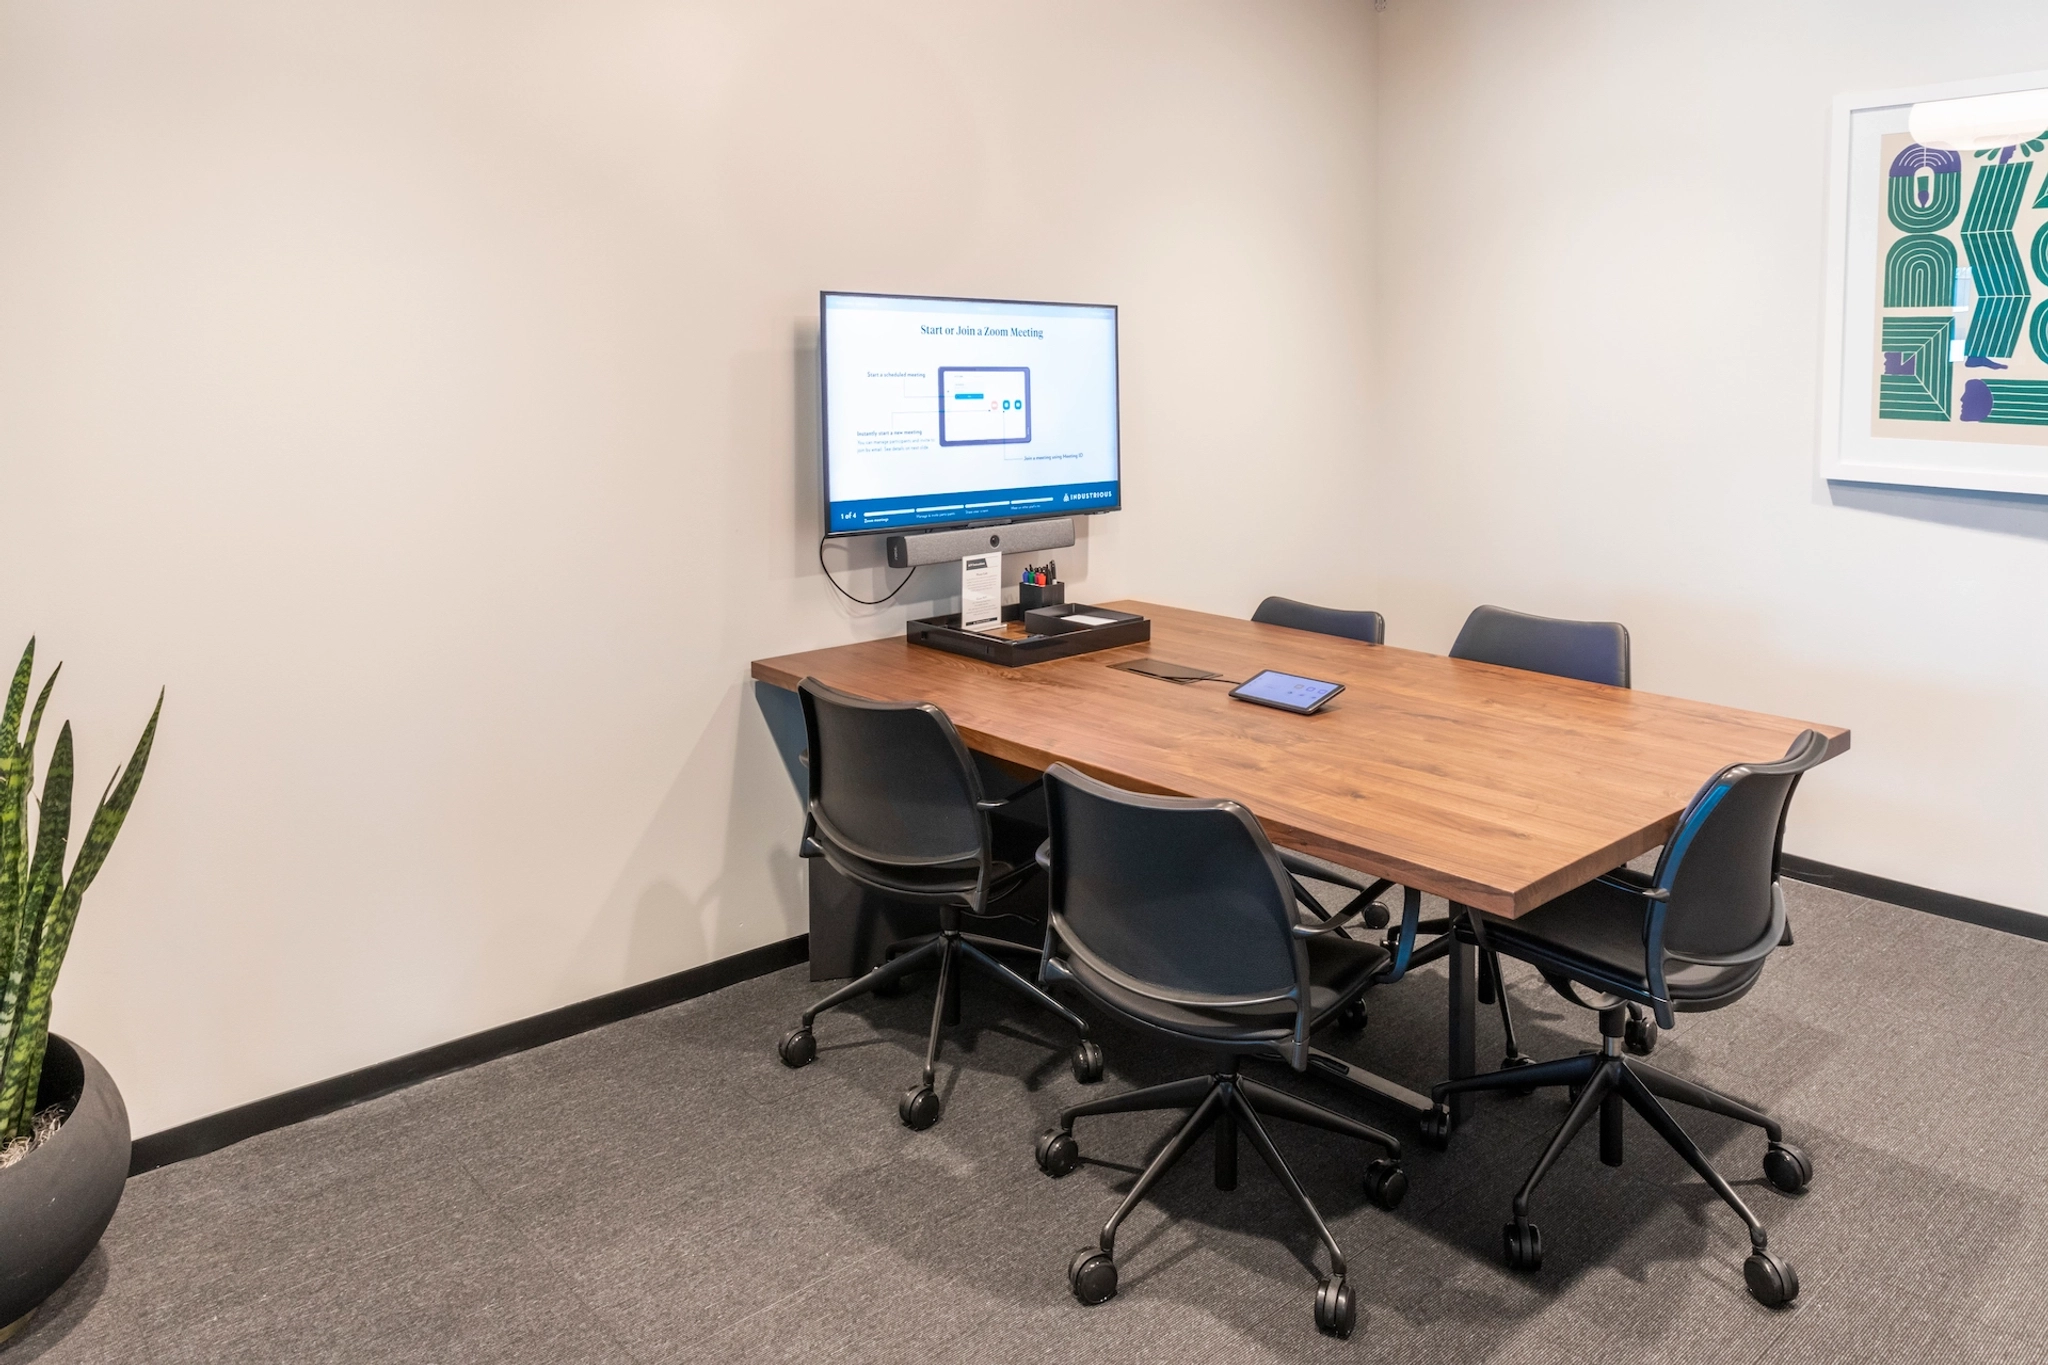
x=38 y=902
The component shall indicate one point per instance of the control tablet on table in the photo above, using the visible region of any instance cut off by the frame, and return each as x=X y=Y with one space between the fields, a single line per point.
x=1287 y=691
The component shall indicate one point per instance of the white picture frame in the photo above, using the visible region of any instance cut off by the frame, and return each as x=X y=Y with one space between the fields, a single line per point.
x=1849 y=452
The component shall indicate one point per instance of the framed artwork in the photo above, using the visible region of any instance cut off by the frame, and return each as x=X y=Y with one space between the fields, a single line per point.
x=1936 y=360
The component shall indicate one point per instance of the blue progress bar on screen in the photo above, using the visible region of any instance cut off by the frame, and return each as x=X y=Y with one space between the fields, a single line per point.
x=874 y=514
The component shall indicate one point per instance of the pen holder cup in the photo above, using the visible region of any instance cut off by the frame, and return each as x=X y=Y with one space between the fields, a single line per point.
x=1031 y=595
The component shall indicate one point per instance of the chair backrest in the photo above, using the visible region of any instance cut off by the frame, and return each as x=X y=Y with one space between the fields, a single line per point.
x=890 y=782
x=1180 y=899
x=1368 y=626
x=1721 y=864
x=1591 y=651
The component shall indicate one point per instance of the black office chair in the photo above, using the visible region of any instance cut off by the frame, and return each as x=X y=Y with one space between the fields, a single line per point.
x=1694 y=936
x=1369 y=626
x=1178 y=915
x=896 y=805
x=1591 y=651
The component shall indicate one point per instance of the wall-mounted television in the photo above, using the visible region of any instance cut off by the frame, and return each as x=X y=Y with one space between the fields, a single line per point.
x=957 y=412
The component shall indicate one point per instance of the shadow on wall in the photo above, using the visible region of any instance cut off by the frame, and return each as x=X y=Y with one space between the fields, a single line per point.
x=715 y=871
x=808 y=452
x=2013 y=514
x=783 y=711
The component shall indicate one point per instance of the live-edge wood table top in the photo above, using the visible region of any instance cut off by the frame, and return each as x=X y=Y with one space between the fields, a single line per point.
x=1493 y=787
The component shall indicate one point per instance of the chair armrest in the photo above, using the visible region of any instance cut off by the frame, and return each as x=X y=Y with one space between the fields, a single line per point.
x=1615 y=881
x=1301 y=865
x=1335 y=924
x=1044 y=857
x=1371 y=913
x=1029 y=787
x=1364 y=901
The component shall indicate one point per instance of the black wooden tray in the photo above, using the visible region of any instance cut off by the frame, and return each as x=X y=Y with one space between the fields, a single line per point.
x=1016 y=650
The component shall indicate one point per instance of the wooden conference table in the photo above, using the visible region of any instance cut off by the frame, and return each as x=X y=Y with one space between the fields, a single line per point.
x=1495 y=788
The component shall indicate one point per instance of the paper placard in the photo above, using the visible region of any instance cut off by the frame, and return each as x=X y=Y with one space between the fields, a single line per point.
x=981 y=592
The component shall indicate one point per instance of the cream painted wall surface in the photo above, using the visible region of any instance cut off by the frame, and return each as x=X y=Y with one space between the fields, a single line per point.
x=1601 y=245
x=423 y=393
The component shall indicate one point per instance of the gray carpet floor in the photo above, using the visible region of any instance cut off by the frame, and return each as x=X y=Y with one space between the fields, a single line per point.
x=664 y=1190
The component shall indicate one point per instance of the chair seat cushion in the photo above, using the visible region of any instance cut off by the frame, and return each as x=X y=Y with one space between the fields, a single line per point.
x=1014 y=844
x=1602 y=926
x=1339 y=969
x=941 y=883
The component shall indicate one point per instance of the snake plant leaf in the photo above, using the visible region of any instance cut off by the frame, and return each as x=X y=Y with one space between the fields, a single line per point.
x=17 y=696
x=35 y=717
x=25 y=761
x=46 y=878
x=17 y=780
x=46 y=872
x=14 y=789
x=113 y=809
x=21 y=912
x=24 y=1067
x=14 y=877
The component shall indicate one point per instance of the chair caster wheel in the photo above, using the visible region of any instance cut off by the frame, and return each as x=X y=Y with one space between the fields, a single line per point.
x=1787 y=1167
x=919 y=1108
x=1092 y=1276
x=1336 y=1308
x=1087 y=1061
x=1639 y=1035
x=1436 y=1128
x=1352 y=1017
x=799 y=1047
x=1385 y=1183
x=1772 y=1280
x=1510 y=1063
x=1058 y=1154
x=1522 y=1247
x=1375 y=916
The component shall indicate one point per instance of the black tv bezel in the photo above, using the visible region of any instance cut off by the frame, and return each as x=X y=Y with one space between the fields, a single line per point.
x=825 y=417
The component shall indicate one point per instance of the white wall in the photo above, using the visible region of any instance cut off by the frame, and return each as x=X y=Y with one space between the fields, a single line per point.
x=423 y=393
x=1600 y=271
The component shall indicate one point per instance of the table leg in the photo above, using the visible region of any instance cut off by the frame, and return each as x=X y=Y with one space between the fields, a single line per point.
x=1464 y=1031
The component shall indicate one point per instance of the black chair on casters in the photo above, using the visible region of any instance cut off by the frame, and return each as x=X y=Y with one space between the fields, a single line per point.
x=1179 y=915
x=1692 y=937
x=896 y=805
x=1591 y=651
x=1369 y=626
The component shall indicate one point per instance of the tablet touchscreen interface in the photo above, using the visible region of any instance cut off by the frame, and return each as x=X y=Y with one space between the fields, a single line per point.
x=1287 y=691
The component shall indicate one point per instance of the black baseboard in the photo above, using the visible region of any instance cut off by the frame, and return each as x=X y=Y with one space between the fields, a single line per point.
x=2021 y=922
x=230 y=1126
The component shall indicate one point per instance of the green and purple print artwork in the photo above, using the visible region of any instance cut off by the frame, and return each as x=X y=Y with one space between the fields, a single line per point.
x=1962 y=334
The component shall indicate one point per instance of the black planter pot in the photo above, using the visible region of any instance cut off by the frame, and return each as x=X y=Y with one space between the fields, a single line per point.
x=56 y=1201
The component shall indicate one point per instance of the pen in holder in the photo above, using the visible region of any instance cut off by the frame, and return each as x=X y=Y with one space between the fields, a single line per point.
x=1041 y=586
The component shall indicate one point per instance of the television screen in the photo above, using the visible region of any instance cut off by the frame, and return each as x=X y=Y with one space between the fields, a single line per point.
x=948 y=412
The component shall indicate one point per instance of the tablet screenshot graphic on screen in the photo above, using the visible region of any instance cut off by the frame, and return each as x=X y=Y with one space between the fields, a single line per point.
x=984 y=405
x=943 y=412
